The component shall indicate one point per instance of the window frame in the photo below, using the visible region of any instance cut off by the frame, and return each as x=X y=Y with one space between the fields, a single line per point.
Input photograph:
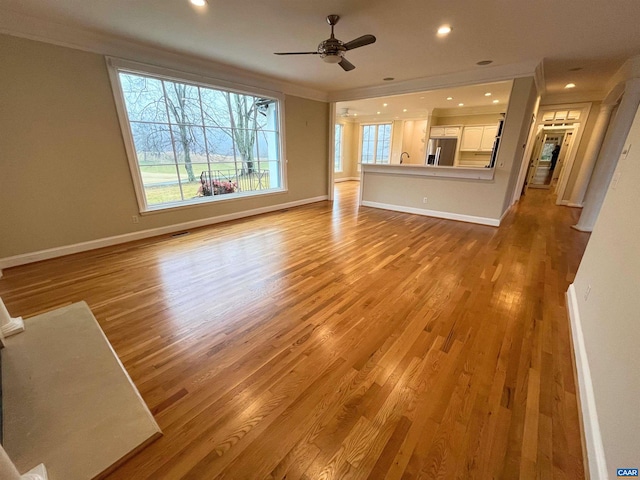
x=375 y=143
x=340 y=148
x=117 y=65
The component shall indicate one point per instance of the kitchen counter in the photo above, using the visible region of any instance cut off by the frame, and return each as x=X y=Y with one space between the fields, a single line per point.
x=472 y=173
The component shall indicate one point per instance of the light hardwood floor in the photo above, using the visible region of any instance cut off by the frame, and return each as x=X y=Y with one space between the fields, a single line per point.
x=330 y=342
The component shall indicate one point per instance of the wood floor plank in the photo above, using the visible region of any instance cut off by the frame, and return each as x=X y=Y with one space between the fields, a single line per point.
x=331 y=341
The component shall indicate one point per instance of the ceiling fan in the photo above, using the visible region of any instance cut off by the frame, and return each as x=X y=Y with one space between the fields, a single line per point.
x=332 y=50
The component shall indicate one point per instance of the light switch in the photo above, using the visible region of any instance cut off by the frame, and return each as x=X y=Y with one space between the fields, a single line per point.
x=625 y=151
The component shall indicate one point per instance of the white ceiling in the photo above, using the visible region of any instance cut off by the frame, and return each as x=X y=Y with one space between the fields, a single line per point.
x=473 y=98
x=597 y=35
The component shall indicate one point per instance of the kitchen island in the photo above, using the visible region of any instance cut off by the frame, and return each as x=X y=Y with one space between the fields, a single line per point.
x=467 y=194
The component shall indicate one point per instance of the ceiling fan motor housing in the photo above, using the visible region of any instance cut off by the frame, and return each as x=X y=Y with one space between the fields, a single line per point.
x=331 y=50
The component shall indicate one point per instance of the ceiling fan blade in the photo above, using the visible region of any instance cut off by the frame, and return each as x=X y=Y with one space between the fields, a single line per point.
x=346 y=65
x=360 y=42
x=295 y=53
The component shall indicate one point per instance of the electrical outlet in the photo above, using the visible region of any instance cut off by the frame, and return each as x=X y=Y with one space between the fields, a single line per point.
x=587 y=292
x=424 y=199
x=135 y=219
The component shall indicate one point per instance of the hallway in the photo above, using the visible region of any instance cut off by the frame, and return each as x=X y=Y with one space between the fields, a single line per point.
x=327 y=341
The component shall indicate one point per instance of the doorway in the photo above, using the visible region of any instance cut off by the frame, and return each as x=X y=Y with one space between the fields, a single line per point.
x=547 y=159
x=554 y=126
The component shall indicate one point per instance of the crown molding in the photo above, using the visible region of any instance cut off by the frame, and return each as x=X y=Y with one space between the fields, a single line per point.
x=629 y=69
x=541 y=84
x=459 y=79
x=33 y=28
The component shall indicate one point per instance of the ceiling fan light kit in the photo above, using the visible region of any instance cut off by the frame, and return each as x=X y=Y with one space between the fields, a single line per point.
x=332 y=50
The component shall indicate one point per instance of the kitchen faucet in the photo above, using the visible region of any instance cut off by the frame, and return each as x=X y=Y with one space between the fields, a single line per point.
x=401 y=155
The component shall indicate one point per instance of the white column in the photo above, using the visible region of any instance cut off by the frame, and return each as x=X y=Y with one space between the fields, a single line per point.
x=609 y=154
x=9 y=326
x=591 y=155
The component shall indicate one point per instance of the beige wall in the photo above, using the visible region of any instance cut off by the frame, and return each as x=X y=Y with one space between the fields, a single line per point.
x=413 y=141
x=64 y=175
x=486 y=199
x=610 y=316
x=582 y=148
x=349 y=151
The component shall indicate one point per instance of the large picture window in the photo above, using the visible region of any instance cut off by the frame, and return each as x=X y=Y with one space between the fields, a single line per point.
x=194 y=142
x=376 y=143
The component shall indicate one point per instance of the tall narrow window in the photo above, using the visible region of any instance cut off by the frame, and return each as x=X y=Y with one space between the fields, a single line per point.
x=194 y=142
x=376 y=143
x=337 y=155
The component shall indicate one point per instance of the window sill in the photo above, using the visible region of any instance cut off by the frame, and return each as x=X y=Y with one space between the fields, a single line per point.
x=207 y=201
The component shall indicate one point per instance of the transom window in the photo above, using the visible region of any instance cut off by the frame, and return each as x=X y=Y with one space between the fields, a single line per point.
x=195 y=142
x=376 y=143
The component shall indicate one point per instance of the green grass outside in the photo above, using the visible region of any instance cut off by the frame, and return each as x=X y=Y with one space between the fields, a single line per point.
x=171 y=193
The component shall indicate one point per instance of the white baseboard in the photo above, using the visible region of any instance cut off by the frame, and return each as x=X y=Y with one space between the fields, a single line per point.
x=574 y=205
x=346 y=179
x=596 y=460
x=505 y=214
x=37 y=473
x=25 y=258
x=494 y=222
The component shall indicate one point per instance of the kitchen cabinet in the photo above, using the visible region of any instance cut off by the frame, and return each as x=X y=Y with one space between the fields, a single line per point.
x=478 y=138
x=440 y=132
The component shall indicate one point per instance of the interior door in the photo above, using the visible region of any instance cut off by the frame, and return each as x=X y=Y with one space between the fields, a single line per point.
x=535 y=158
x=566 y=144
x=543 y=169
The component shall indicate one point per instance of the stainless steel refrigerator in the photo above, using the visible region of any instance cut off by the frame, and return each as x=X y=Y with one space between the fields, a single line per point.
x=441 y=151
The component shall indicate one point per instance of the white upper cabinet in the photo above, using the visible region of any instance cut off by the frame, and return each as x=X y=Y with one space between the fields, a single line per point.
x=478 y=138
x=438 y=132
x=471 y=138
x=488 y=137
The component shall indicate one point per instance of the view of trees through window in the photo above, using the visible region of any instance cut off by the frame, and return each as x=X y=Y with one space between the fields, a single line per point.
x=376 y=143
x=195 y=141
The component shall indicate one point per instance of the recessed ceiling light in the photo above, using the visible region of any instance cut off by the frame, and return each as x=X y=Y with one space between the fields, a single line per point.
x=421 y=98
x=488 y=94
x=570 y=85
x=461 y=104
x=378 y=113
x=484 y=62
x=404 y=109
x=384 y=104
x=496 y=101
x=388 y=79
x=199 y=3
x=444 y=30
x=355 y=114
x=449 y=98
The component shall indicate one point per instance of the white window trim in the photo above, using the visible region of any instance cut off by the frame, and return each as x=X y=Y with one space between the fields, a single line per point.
x=360 y=135
x=115 y=65
x=341 y=170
